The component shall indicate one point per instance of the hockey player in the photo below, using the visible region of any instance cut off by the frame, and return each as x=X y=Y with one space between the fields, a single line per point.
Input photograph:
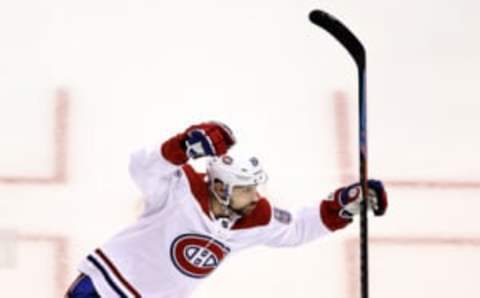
x=192 y=221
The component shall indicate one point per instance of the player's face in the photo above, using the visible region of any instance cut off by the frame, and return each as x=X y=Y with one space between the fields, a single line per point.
x=244 y=199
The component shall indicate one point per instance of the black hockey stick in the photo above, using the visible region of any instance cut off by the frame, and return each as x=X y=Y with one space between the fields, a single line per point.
x=357 y=51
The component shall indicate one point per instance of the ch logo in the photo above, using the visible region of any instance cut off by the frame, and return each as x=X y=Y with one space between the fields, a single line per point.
x=197 y=255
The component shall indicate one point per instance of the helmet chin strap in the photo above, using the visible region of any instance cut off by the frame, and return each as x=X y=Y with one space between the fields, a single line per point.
x=231 y=212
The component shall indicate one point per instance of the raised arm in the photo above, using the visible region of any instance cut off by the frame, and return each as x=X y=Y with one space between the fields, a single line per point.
x=154 y=169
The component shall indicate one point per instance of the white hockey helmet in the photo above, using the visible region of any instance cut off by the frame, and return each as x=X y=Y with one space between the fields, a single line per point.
x=234 y=171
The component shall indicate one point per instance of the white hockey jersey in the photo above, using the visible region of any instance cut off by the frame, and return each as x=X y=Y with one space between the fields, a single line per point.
x=175 y=243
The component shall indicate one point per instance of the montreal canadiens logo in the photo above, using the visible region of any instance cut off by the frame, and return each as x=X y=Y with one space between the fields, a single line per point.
x=197 y=255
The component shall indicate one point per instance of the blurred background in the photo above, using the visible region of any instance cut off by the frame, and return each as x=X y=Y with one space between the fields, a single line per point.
x=83 y=83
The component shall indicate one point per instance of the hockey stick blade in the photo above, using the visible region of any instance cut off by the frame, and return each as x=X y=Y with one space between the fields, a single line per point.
x=341 y=33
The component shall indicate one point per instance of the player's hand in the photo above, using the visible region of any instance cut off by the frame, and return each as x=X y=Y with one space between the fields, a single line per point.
x=344 y=203
x=208 y=139
x=204 y=139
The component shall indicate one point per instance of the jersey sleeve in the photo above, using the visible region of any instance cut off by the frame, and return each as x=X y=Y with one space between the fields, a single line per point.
x=152 y=173
x=292 y=229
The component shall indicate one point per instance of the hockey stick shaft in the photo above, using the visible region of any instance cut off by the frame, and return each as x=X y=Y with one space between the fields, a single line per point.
x=362 y=112
x=356 y=50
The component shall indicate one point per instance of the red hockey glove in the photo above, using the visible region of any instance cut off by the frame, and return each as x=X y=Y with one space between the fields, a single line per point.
x=338 y=210
x=208 y=139
x=205 y=139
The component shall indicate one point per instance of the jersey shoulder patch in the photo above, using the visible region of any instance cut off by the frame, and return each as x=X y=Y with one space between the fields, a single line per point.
x=282 y=216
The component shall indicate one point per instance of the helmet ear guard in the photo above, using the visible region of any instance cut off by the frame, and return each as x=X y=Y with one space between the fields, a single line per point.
x=223 y=195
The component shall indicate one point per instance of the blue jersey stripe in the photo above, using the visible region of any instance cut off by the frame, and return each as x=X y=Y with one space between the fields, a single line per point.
x=107 y=277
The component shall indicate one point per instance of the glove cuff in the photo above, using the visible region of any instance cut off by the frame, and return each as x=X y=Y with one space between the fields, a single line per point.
x=174 y=150
x=329 y=213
